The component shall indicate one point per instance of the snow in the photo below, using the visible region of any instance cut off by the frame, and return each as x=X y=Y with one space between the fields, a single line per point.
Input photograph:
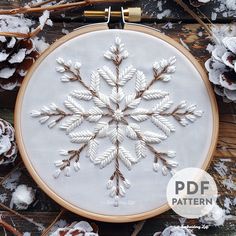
x=224 y=7
x=59 y=224
x=20 y=24
x=168 y=25
x=18 y=57
x=2 y=39
x=40 y=44
x=164 y=14
x=227 y=204
x=22 y=197
x=3 y=56
x=200 y=34
x=204 y=1
x=17 y=23
x=229 y=183
x=213 y=16
x=5 y=144
x=155 y=8
x=44 y=19
x=26 y=234
x=65 y=31
x=222 y=31
x=152 y=8
x=230 y=4
x=216 y=217
x=6 y=73
x=12 y=43
x=3 y=197
x=221 y=168
x=11 y=182
x=9 y=86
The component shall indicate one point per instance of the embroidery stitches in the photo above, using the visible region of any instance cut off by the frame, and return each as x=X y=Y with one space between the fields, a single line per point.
x=119 y=109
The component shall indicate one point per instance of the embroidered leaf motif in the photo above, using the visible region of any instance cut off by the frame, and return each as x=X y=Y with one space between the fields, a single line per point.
x=132 y=130
x=81 y=137
x=72 y=123
x=95 y=114
x=163 y=105
x=140 y=82
x=116 y=135
x=95 y=82
x=163 y=124
x=154 y=94
x=130 y=133
x=73 y=106
x=126 y=75
x=102 y=100
x=95 y=111
x=94 y=118
x=131 y=101
x=151 y=137
x=117 y=96
x=101 y=129
x=107 y=157
x=164 y=69
x=126 y=157
x=140 y=149
x=107 y=75
x=92 y=149
x=82 y=95
x=139 y=114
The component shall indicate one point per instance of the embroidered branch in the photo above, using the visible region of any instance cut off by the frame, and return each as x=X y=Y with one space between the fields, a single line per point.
x=116 y=116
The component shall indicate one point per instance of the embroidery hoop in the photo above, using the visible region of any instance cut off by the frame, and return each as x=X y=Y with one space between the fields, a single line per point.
x=81 y=31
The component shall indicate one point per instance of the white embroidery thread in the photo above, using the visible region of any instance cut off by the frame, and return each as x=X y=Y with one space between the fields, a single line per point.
x=118 y=127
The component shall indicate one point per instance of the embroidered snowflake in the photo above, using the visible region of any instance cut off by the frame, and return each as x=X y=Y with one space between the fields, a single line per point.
x=120 y=109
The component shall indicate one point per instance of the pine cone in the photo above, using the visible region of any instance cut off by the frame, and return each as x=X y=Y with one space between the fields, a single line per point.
x=222 y=68
x=77 y=229
x=8 y=148
x=16 y=57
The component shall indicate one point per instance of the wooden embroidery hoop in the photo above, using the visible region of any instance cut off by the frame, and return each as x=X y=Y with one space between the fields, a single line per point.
x=17 y=120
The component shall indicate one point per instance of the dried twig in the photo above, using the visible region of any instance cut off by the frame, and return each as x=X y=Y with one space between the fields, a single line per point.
x=47 y=230
x=22 y=35
x=194 y=15
x=40 y=7
x=138 y=227
x=19 y=215
x=10 y=173
x=10 y=228
x=56 y=7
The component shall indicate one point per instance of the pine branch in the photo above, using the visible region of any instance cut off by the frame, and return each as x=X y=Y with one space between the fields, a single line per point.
x=167 y=164
x=51 y=111
x=74 y=155
x=161 y=71
x=184 y=114
x=72 y=74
